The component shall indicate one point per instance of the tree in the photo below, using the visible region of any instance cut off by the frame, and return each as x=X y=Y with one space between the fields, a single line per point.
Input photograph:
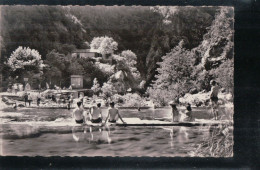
x=224 y=75
x=174 y=74
x=96 y=86
x=166 y=12
x=105 y=45
x=24 y=57
x=130 y=57
x=26 y=62
x=75 y=68
x=108 y=90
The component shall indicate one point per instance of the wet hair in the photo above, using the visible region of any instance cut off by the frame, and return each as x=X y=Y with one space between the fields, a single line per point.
x=99 y=105
x=112 y=104
x=79 y=104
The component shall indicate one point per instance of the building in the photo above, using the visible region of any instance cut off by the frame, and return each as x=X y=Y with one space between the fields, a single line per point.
x=85 y=53
x=91 y=53
x=76 y=81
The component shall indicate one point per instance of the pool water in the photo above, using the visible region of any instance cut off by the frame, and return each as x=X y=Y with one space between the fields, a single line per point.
x=25 y=136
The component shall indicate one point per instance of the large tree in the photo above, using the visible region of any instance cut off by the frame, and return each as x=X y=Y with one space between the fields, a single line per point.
x=26 y=62
x=24 y=57
x=174 y=74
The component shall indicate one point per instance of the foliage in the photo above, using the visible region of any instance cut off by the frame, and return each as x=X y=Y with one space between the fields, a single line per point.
x=224 y=75
x=60 y=68
x=173 y=75
x=108 y=90
x=96 y=86
x=150 y=33
x=166 y=12
x=105 y=45
x=219 y=144
x=56 y=65
x=160 y=97
x=129 y=57
x=26 y=62
x=106 y=68
x=217 y=44
x=133 y=100
x=24 y=57
x=129 y=100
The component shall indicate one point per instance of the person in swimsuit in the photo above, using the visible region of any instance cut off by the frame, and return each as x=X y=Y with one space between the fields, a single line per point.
x=38 y=99
x=214 y=98
x=78 y=113
x=29 y=99
x=175 y=112
x=189 y=113
x=25 y=99
x=113 y=114
x=96 y=113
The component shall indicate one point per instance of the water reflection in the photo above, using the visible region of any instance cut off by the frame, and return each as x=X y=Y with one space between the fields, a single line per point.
x=178 y=134
x=45 y=134
x=91 y=134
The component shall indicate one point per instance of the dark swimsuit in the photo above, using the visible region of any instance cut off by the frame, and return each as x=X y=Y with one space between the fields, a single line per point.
x=214 y=98
x=98 y=120
x=112 y=121
x=79 y=121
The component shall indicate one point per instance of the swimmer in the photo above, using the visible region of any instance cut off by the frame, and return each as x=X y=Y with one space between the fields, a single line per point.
x=214 y=98
x=188 y=113
x=96 y=113
x=78 y=113
x=175 y=112
x=113 y=114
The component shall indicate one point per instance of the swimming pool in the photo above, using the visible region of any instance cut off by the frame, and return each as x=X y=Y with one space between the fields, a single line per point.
x=27 y=135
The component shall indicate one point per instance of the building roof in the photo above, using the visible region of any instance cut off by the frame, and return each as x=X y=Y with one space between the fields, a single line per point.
x=85 y=51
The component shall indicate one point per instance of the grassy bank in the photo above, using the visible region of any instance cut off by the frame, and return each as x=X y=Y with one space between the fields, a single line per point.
x=220 y=141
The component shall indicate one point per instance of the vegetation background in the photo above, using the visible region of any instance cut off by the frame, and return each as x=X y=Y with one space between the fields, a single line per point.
x=177 y=49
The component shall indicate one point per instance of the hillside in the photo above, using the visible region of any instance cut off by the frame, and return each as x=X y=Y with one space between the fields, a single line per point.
x=150 y=33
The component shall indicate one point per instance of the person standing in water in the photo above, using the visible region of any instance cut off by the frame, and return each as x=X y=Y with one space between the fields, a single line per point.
x=78 y=113
x=70 y=99
x=189 y=113
x=38 y=99
x=113 y=114
x=25 y=98
x=175 y=112
x=214 y=98
x=96 y=113
x=29 y=99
